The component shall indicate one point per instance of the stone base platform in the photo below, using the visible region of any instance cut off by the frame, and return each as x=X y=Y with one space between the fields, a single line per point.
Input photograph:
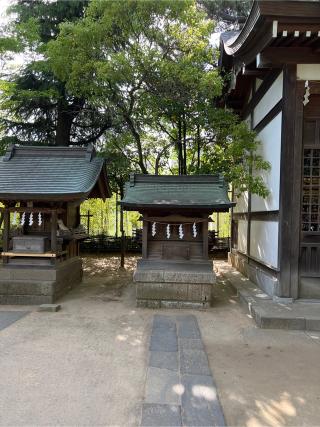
x=174 y=284
x=268 y=312
x=35 y=285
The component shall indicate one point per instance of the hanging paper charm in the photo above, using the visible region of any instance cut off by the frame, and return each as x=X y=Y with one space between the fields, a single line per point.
x=168 y=231
x=153 y=229
x=181 y=231
x=39 y=219
x=31 y=219
x=306 y=94
x=194 y=229
x=23 y=218
x=14 y=220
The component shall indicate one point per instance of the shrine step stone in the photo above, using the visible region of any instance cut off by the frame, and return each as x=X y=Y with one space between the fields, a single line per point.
x=52 y=308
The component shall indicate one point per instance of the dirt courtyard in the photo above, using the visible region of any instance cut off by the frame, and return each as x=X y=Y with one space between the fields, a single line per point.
x=86 y=364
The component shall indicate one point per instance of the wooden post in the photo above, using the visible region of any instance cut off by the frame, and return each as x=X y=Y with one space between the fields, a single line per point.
x=54 y=231
x=145 y=238
x=218 y=225
x=205 y=238
x=6 y=233
x=88 y=222
x=116 y=214
x=122 y=238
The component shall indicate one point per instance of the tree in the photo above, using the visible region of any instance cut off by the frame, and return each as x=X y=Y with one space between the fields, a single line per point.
x=138 y=77
x=35 y=105
x=229 y=14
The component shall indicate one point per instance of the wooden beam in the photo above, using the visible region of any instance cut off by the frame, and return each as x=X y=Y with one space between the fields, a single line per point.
x=34 y=255
x=254 y=72
x=269 y=117
x=298 y=27
x=257 y=216
x=259 y=94
x=287 y=55
x=29 y=210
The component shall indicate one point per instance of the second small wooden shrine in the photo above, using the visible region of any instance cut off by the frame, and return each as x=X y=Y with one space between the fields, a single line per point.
x=175 y=270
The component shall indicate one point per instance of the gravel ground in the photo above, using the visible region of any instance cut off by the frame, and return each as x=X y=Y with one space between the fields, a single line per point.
x=86 y=364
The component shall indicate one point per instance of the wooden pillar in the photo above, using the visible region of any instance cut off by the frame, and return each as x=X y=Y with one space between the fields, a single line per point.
x=54 y=231
x=116 y=214
x=145 y=238
x=205 y=238
x=122 y=238
x=287 y=173
x=297 y=191
x=6 y=233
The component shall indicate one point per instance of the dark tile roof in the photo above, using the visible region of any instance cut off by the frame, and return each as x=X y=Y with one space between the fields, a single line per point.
x=50 y=172
x=191 y=191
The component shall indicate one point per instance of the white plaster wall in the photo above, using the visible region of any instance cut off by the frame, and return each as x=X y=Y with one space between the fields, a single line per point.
x=242 y=235
x=269 y=100
x=270 y=150
x=308 y=71
x=241 y=203
x=264 y=241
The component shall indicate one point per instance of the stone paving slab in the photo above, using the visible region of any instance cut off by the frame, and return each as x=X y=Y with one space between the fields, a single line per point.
x=162 y=386
x=188 y=327
x=163 y=322
x=9 y=317
x=164 y=341
x=160 y=415
x=190 y=344
x=164 y=360
x=194 y=362
x=200 y=403
x=179 y=389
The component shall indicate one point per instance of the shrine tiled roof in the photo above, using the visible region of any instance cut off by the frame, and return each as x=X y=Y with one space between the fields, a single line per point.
x=28 y=172
x=184 y=191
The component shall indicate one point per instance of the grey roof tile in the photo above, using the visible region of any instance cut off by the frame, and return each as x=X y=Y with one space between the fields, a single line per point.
x=50 y=171
x=200 y=191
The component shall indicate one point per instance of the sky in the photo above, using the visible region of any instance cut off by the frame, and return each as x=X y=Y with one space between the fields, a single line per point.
x=3 y=7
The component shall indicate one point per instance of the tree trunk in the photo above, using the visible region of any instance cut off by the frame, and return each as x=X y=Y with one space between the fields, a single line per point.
x=198 y=148
x=136 y=136
x=180 y=147
x=64 y=123
x=184 y=145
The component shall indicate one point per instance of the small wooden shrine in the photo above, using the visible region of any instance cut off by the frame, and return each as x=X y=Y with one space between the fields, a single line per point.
x=41 y=189
x=174 y=270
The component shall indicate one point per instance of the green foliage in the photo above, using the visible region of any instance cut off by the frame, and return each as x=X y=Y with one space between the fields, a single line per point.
x=35 y=106
x=138 y=78
x=229 y=14
x=106 y=217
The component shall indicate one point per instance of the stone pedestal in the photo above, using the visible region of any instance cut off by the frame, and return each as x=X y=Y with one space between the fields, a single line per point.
x=174 y=284
x=38 y=284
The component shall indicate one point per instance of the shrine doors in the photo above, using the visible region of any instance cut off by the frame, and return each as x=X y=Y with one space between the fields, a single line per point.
x=309 y=261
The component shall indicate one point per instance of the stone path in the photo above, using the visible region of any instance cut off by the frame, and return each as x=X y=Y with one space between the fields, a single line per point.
x=180 y=390
x=9 y=317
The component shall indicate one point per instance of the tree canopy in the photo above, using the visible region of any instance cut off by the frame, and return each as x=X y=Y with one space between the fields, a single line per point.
x=140 y=79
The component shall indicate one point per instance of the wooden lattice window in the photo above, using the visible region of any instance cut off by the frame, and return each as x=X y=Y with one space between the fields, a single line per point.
x=311 y=190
